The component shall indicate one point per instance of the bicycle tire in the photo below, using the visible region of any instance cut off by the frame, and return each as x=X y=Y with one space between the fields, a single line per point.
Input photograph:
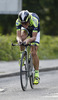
x=24 y=71
x=31 y=81
x=31 y=76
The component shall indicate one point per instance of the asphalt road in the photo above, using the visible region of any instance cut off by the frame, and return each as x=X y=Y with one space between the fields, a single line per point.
x=46 y=90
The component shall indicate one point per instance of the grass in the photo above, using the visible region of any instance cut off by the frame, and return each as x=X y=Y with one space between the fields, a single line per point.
x=48 y=48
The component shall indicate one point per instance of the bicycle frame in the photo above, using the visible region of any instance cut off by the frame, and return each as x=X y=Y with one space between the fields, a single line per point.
x=28 y=68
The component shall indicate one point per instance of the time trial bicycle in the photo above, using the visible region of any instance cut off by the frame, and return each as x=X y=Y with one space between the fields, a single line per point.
x=26 y=67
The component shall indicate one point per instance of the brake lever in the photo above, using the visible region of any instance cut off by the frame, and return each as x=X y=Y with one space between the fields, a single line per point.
x=12 y=44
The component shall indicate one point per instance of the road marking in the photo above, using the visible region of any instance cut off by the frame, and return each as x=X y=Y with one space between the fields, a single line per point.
x=54 y=95
x=1 y=90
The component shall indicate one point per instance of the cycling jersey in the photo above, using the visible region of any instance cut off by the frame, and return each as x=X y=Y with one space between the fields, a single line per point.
x=34 y=25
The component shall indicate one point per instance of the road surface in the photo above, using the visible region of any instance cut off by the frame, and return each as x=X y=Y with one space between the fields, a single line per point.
x=46 y=90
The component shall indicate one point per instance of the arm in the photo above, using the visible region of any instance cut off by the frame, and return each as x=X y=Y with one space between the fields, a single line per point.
x=18 y=27
x=33 y=38
x=19 y=36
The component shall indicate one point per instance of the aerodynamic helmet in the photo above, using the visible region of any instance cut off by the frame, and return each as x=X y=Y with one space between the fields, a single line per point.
x=24 y=16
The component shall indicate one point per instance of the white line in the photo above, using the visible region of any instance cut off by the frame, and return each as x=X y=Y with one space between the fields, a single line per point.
x=1 y=90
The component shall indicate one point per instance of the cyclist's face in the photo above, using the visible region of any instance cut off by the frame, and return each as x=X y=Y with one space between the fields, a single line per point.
x=25 y=24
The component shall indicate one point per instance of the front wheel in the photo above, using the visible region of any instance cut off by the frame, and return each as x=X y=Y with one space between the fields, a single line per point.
x=24 y=71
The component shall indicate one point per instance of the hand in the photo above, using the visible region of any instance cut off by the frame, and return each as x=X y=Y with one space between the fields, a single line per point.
x=26 y=41
x=19 y=40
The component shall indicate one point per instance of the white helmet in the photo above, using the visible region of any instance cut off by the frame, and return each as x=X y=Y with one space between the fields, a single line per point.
x=24 y=16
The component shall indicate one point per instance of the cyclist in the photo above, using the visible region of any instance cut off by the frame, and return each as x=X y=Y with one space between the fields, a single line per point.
x=28 y=24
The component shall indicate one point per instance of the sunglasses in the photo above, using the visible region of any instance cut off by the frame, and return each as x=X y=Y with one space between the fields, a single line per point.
x=24 y=22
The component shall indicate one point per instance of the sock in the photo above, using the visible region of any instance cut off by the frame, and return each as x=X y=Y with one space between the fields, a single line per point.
x=36 y=73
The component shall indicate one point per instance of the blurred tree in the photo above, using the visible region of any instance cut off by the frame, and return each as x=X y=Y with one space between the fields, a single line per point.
x=48 y=13
x=50 y=8
x=7 y=23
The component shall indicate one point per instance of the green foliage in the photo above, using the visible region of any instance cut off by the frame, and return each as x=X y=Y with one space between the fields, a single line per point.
x=48 y=48
x=48 y=13
x=7 y=23
x=7 y=52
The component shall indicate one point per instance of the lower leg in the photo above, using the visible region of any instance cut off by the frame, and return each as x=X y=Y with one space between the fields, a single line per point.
x=36 y=65
x=36 y=62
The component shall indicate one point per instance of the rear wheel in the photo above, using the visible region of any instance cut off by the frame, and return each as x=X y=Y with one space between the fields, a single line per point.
x=24 y=71
x=32 y=80
x=31 y=73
